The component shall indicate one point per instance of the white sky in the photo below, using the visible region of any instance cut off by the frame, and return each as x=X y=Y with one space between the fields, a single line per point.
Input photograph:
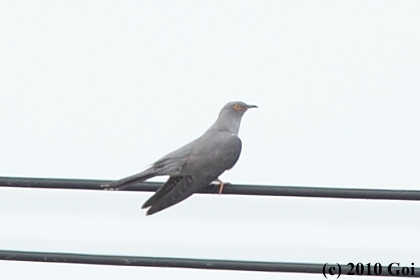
x=101 y=89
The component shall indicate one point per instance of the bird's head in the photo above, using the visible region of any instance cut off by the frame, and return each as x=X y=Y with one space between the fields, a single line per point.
x=230 y=116
x=236 y=109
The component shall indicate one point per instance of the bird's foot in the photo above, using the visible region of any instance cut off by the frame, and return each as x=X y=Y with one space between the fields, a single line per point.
x=221 y=185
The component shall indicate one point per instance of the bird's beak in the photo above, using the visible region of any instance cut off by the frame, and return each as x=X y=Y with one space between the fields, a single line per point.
x=251 y=106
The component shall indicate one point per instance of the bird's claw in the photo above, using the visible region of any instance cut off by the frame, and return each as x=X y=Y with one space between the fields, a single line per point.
x=221 y=185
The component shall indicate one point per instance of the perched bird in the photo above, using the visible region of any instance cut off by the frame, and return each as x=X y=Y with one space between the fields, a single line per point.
x=195 y=165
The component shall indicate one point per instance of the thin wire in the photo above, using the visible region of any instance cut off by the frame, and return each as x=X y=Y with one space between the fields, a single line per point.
x=199 y=263
x=355 y=193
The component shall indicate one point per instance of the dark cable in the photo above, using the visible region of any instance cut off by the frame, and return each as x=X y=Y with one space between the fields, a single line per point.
x=79 y=184
x=192 y=263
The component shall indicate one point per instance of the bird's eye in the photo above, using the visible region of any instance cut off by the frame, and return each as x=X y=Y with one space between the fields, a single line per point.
x=237 y=107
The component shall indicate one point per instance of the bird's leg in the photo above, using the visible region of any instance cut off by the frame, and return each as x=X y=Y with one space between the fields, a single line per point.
x=221 y=185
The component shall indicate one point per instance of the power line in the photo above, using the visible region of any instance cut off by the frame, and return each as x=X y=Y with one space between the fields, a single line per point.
x=81 y=184
x=201 y=263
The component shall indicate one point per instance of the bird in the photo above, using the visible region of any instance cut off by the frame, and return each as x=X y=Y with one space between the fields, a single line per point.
x=195 y=165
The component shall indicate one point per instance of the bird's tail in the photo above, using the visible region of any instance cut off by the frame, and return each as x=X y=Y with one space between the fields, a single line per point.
x=162 y=191
x=171 y=193
x=124 y=182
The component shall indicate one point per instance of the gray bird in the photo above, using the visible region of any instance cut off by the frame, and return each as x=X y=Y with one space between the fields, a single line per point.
x=195 y=165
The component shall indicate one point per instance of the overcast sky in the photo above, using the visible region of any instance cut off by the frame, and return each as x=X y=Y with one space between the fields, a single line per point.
x=101 y=89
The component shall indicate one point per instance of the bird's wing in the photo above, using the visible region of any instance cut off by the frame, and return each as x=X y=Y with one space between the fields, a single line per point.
x=209 y=157
x=171 y=164
x=124 y=182
x=212 y=148
x=183 y=189
x=162 y=191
